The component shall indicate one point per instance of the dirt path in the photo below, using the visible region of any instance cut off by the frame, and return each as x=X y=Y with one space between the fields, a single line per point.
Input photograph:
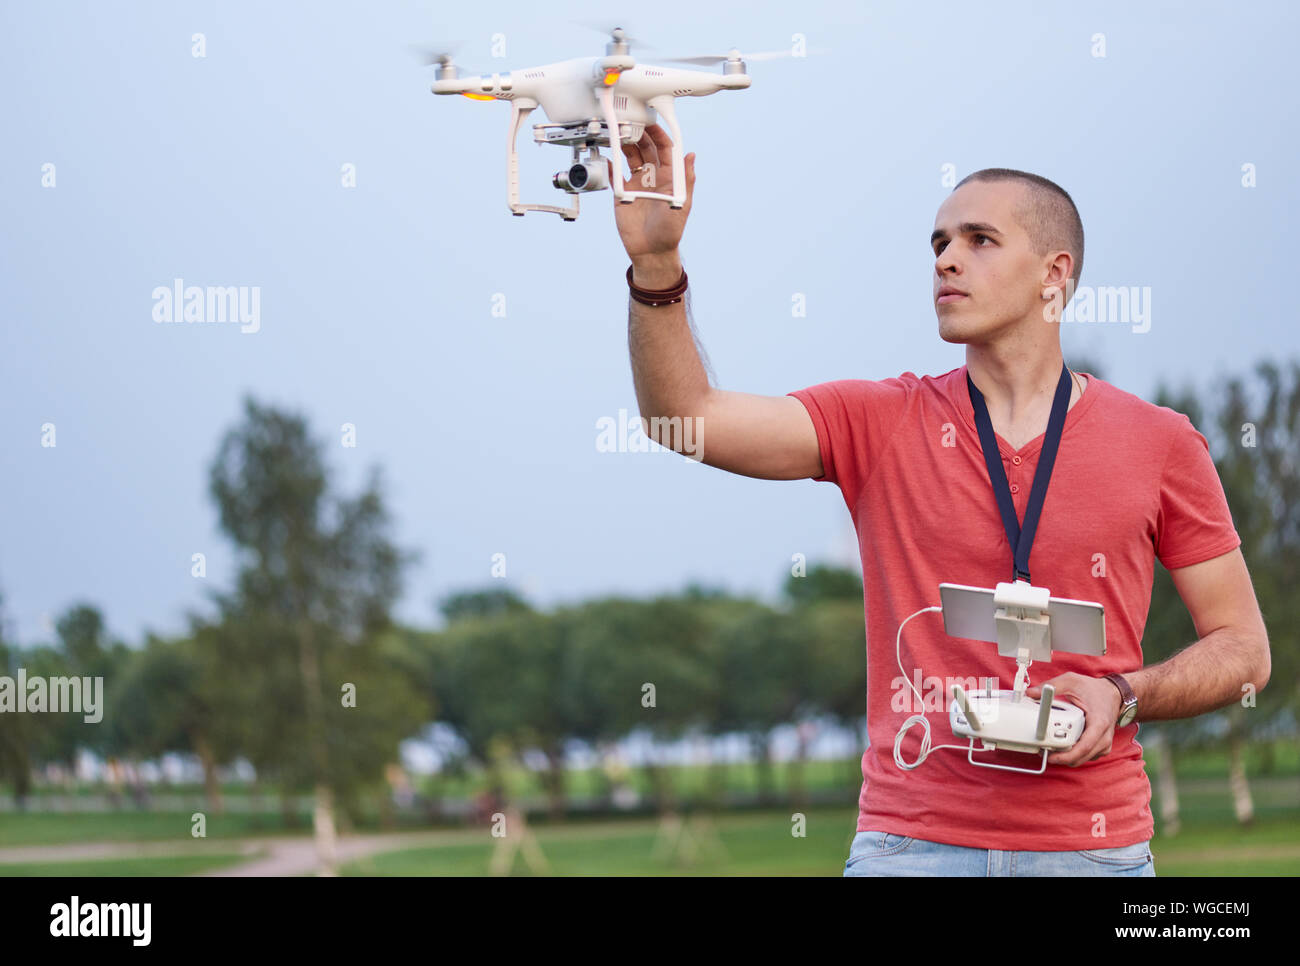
x=270 y=856
x=297 y=856
x=75 y=851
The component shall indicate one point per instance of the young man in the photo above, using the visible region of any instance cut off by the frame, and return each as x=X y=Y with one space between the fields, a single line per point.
x=1131 y=482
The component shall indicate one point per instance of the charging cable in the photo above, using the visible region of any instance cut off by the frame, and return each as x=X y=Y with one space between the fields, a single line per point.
x=916 y=718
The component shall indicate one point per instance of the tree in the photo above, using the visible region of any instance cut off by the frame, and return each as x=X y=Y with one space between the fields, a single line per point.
x=1255 y=438
x=492 y=602
x=170 y=697
x=318 y=577
x=823 y=582
x=15 y=729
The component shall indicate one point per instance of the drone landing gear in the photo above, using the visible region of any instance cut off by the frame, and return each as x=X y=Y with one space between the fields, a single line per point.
x=518 y=112
x=664 y=105
x=594 y=167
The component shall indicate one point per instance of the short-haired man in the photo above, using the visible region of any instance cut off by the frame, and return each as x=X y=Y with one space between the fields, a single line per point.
x=1131 y=482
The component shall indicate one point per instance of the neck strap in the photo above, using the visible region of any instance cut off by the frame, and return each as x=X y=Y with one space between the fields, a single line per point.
x=1021 y=540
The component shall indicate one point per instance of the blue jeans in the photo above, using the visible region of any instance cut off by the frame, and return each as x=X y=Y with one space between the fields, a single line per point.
x=884 y=853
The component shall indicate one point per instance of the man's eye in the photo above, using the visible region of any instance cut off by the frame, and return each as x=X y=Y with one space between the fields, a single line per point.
x=978 y=237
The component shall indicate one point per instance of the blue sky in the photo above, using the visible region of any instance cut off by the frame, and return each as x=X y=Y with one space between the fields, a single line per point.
x=376 y=301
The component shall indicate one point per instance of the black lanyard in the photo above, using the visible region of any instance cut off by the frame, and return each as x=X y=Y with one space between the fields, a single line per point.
x=1021 y=540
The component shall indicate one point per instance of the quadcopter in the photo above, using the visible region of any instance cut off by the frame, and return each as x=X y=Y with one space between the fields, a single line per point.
x=591 y=99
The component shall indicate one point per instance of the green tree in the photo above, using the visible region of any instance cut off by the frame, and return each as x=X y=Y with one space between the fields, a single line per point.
x=318 y=576
x=823 y=582
x=169 y=697
x=16 y=736
x=1254 y=436
x=492 y=602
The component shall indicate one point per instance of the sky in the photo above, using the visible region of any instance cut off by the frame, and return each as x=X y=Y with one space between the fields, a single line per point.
x=129 y=162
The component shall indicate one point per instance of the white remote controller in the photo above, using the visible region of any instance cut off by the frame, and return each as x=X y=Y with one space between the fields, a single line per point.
x=1006 y=720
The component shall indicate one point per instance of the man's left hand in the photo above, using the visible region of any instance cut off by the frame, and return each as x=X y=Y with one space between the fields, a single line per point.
x=1100 y=702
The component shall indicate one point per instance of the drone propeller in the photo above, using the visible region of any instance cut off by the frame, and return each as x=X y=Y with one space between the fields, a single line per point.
x=441 y=55
x=609 y=30
x=436 y=53
x=708 y=60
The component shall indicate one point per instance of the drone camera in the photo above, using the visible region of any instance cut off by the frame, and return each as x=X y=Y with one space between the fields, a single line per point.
x=590 y=175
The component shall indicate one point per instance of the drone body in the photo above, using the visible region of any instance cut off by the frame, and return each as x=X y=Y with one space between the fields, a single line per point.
x=586 y=99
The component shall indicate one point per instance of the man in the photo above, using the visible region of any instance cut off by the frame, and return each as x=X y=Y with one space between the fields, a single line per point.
x=1131 y=482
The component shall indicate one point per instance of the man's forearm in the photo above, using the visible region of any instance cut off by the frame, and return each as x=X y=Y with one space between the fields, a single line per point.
x=1207 y=675
x=667 y=372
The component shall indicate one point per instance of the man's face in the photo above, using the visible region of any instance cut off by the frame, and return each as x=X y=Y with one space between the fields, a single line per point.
x=981 y=250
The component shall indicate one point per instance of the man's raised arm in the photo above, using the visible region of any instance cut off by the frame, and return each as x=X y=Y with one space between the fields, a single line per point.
x=769 y=437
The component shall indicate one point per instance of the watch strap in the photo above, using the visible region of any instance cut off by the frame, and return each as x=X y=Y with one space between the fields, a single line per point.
x=1128 y=700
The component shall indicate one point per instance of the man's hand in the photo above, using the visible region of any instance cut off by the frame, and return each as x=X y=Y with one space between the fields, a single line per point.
x=650 y=229
x=1100 y=702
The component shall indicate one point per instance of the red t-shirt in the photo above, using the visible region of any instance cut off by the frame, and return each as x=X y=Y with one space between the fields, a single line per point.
x=1132 y=482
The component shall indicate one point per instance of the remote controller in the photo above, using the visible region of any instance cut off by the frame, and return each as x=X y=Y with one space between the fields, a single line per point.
x=1006 y=720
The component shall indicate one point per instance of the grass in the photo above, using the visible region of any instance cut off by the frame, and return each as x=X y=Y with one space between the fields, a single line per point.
x=171 y=865
x=59 y=828
x=751 y=844
x=762 y=844
x=1268 y=847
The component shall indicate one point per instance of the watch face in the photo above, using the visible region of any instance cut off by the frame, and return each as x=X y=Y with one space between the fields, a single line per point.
x=1128 y=716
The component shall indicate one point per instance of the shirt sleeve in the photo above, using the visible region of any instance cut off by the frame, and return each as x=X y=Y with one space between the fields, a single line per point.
x=854 y=419
x=1194 y=522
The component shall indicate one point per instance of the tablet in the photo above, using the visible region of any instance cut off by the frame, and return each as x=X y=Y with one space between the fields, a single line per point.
x=1073 y=626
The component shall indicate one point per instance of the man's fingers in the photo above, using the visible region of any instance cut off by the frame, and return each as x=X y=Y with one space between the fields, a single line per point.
x=1081 y=751
x=1093 y=743
x=633 y=154
x=649 y=152
x=662 y=142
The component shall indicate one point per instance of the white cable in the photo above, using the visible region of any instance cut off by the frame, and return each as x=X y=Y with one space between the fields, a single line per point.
x=907 y=725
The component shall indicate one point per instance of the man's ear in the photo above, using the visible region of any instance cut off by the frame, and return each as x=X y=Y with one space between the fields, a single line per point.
x=1057 y=274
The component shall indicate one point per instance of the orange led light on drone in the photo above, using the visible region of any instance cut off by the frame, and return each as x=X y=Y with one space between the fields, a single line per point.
x=478 y=97
x=611 y=77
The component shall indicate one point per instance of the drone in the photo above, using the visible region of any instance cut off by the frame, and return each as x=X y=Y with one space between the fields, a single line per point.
x=590 y=100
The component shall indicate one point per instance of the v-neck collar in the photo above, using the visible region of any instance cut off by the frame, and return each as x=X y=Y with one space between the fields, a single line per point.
x=1072 y=415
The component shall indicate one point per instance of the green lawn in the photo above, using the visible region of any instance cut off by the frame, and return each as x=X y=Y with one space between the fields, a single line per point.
x=56 y=828
x=761 y=844
x=154 y=865
x=751 y=844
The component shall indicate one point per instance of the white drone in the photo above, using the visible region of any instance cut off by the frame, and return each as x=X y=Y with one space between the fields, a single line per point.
x=589 y=97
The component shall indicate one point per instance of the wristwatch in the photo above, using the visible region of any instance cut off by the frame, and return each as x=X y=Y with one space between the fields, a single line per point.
x=1128 y=708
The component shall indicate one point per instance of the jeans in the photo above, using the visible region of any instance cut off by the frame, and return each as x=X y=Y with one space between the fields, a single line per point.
x=884 y=853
